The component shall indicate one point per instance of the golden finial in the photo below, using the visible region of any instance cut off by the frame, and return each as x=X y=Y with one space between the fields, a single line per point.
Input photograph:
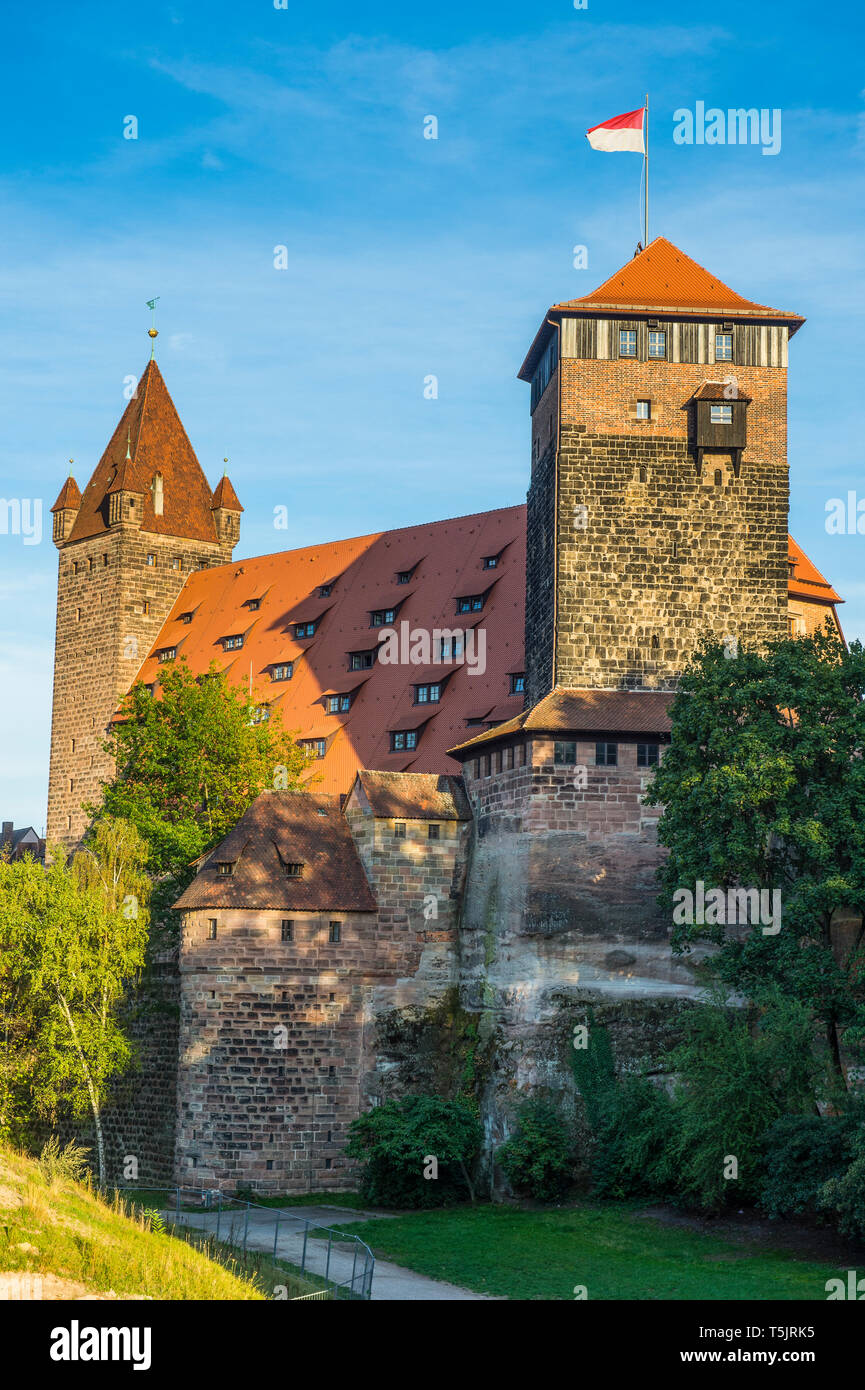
x=225 y=468
x=152 y=332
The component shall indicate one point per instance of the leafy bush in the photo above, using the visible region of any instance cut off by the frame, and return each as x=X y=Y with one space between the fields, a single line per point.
x=396 y=1141
x=801 y=1153
x=738 y=1074
x=537 y=1158
x=844 y=1197
x=631 y=1122
x=69 y=1164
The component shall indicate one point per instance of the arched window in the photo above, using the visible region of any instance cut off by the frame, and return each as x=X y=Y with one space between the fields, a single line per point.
x=719 y=477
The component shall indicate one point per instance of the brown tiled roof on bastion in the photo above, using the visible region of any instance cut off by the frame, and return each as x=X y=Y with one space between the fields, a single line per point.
x=805 y=580
x=415 y=796
x=568 y=711
x=150 y=429
x=225 y=496
x=285 y=828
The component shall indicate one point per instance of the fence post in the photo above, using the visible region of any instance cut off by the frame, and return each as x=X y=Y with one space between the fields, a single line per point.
x=245 y=1230
x=305 y=1238
x=218 y=1214
x=353 y=1266
x=276 y=1233
x=327 y=1266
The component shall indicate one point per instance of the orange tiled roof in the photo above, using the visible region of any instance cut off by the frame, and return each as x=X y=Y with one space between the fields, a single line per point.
x=225 y=496
x=661 y=279
x=151 y=431
x=806 y=581
x=69 y=496
x=569 y=711
x=285 y=828
x=445 y=557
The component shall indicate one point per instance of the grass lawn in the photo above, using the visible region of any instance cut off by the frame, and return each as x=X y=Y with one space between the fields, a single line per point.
x=63 y=1233
x=613 y=1251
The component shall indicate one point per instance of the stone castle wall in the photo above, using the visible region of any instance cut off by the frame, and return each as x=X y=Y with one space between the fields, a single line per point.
x=111 y=604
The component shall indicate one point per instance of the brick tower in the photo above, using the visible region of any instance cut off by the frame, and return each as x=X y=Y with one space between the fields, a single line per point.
x=657 y=510
x=147 y=517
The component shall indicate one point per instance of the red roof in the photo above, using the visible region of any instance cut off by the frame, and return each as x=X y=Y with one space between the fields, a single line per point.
x=446 y=558
x=151 y=433
x=282 y=828
x=225 y=496
x=661 y=280
x=69 y=496
x=663 y=277
x=806 y=581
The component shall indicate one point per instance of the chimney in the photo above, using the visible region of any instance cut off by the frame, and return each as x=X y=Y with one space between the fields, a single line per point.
x=6 y=836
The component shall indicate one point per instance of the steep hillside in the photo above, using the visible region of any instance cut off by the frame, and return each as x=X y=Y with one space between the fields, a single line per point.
x=58 y=1240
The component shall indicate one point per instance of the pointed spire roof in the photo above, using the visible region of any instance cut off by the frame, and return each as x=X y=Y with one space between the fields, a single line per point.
x=150 y=439
x=662 y=280
x=225 y=496
x=70 y=497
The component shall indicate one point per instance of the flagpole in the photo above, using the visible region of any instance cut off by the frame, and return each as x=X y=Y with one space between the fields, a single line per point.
x=646 y=157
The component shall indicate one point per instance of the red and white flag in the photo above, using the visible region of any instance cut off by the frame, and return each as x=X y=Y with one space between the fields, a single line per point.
x=620 y=133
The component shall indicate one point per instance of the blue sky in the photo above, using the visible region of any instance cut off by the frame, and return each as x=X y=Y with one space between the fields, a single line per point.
x=260 y=127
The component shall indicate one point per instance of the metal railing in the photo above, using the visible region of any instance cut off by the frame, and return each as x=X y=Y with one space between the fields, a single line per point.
x=340 y=1261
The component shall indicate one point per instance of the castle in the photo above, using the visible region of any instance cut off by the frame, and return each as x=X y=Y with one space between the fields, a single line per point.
x=485 y=699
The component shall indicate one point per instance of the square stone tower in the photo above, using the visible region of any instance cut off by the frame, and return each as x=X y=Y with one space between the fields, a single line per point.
x=657 y=511
x=146 y=519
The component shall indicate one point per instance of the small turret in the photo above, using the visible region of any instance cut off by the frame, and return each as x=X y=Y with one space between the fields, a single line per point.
x=65 y=511
x=226 y=512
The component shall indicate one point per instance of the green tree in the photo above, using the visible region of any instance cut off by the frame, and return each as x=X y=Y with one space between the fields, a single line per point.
x=763 y=787
x=187 y=766
x=72 y=936
x=417 y=1152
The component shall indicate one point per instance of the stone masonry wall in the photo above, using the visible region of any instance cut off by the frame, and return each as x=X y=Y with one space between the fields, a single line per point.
x=111 y=604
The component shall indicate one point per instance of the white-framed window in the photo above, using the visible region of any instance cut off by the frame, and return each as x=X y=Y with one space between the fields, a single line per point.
x=721 y=414
x=644 y=410
x=283 y=672
x=627 y=342
x=723 y=347
x=657 y=342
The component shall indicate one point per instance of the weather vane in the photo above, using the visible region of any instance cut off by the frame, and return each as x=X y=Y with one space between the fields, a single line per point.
x=153 y=331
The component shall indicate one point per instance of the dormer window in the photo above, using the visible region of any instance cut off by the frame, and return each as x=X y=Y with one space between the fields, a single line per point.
x=470 y=603
x=403 y=740
x=490 y=562
x=316 y=746
x=293 y=870
x=185 y=618
x=721 y=414
x=382 y=617
x=304 y=630
x=284 y=672
x=518 y=682
x=233 y=643
x=224 y=869
x=362 y=661
x=261 y=714
x=427 y=694
x=325 y=590
x=167 y=654
x=253 y=604
x=156 y=489
x=338 y=704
